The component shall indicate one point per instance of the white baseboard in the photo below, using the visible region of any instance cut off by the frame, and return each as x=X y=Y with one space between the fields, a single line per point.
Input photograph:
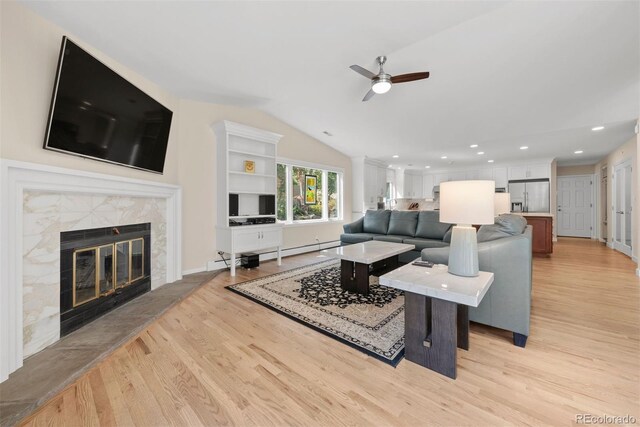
x=610 y=245
x=638 y=272
x=634 y=259
x=194 y=270
x=219 y=264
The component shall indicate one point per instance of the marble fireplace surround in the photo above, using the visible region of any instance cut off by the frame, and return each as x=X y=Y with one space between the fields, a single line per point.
x=37 y=203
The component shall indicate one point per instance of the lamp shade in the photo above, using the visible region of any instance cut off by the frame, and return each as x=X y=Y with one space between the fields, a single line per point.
x=502 y=203
x=467 y=202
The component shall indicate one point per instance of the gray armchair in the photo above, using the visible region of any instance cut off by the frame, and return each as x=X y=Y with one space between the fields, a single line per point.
x=507 y=304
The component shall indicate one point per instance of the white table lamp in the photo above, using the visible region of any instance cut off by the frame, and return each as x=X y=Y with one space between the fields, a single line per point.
x=502 y=203
x=465 y=203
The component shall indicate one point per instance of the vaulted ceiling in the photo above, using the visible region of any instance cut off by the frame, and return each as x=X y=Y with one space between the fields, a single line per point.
x=503 y=74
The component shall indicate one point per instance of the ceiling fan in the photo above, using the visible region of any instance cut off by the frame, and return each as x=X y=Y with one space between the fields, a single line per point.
x=381 y=82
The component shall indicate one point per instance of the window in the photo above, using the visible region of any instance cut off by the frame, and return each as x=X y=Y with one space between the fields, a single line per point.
x=308 y=193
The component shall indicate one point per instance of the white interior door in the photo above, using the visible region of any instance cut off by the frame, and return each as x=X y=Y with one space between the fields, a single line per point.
x=622 y=207
x=574 y=206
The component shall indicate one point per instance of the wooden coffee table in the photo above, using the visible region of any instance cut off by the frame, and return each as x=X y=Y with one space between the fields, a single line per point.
x=360 y=260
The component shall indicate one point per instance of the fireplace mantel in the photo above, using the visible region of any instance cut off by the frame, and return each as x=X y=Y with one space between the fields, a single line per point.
x=20 y=178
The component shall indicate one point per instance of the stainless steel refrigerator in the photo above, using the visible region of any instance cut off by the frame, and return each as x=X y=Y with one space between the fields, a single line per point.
x=529 y=195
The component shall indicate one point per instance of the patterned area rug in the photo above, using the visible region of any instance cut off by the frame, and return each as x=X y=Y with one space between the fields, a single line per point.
x=312 y=295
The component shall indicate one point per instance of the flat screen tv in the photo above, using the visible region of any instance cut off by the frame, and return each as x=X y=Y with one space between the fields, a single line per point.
x=96 y=113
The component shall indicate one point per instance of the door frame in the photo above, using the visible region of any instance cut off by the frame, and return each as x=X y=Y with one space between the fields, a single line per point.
x=614 y=217
x=593 y=234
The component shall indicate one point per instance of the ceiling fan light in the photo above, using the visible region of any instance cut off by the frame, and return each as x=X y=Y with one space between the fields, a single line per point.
x=381 y=87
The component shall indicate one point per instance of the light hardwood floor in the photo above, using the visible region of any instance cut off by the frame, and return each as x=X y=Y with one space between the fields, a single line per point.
x=219 y=359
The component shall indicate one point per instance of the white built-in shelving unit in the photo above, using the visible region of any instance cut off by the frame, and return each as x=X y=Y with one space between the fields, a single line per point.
x=237 y=143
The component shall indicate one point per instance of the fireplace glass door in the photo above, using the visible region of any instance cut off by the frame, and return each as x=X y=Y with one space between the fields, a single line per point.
x=84 y=276
x=100 y=270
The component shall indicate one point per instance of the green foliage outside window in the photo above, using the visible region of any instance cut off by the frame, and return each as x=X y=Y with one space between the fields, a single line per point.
x=281 y=193
x=300 y=210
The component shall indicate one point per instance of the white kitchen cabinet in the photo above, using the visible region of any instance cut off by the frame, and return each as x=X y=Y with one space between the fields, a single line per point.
x=408 y=186
x=472 y=174
x=457 y=176
x=485 y=174
x=417 y=186
x=382 y=181
x=427 y=186
x=518 y=172
x=413 y=185
x=529 y=172
x=539 y=171
x=370 y=185
x=500 y=177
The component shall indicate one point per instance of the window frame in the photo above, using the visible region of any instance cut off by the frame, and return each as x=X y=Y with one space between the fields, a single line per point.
x=289 y=164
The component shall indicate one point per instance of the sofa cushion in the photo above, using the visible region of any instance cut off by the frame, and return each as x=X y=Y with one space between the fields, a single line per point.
x=505 y=225
x=421 y=244
x=356 y=237
x=376 y=222
x=389 y=238
x=403 y=223
x=430 y=227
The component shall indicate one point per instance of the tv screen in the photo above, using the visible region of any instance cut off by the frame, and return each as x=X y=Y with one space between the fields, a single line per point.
x=98 y=114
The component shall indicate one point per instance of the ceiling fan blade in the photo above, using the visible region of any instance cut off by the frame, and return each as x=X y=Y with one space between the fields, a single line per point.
x=403 y=78
x=369 y=95
x=358 y=69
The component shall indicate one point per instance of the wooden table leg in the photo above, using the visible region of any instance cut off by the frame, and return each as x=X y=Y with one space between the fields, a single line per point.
x=354 y=277
x=431 y=333
x=463 y=326
x=362 y=278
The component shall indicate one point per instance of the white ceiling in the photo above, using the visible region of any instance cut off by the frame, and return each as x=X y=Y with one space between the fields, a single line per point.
x=503 y=74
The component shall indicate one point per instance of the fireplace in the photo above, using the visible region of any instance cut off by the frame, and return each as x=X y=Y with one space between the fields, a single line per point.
x=100 y=269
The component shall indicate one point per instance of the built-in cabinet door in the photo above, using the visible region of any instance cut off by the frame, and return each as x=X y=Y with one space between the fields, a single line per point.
x=538 y=171
x=270 y=237
x=370 y=185
x=485 y=174
x=518 y=172
x=500 y=177
x=382 y=181
x=246 y=240
x=427 y=186
x=472 y=174
x=457 y=176
x=416 y=187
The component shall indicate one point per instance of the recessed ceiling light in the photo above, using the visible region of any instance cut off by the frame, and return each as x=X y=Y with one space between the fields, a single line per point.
x=480 y=153
x=578 y=152
x=473 y=146
x=390 y=166
x=490 y=161
x=395 y=156
x=443 y=157
x=399 y=167
x=427 y=167
x=524 y=147
x=597 y=128
x=327 y=133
